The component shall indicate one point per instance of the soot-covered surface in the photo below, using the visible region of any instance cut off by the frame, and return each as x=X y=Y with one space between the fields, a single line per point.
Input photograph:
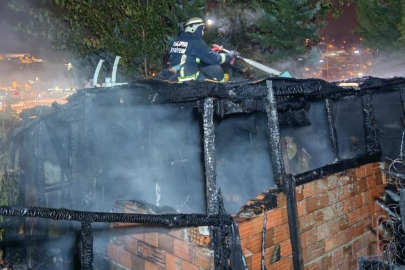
x=390 y=122
x=244 y=164
x=309 y=147
x=349 y=123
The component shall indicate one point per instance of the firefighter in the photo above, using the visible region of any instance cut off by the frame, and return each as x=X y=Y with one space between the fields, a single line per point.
x=191 y=58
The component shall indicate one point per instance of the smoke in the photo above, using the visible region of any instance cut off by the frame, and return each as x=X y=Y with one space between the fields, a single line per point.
x=308 y=147
x=244 y=166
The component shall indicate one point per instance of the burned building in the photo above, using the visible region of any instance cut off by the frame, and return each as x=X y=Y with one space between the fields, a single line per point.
x=277 y=173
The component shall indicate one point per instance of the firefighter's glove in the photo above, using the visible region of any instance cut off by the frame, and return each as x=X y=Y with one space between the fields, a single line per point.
x=232 y=57
x=216 y=48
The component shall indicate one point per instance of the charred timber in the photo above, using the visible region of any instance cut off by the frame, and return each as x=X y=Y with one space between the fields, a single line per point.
x=86 y=245
x=332 y=129
x=161 y=92
x=370 y=125
x=172 y=220
x=340 y=166
x=293 y=224
x=209 y=157
x=272 y=119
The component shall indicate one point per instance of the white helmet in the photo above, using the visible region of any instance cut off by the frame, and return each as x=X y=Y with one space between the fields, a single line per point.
x=192 y=24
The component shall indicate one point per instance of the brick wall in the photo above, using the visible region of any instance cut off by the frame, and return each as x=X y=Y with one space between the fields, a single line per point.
x=154 y=249
x=336 y=215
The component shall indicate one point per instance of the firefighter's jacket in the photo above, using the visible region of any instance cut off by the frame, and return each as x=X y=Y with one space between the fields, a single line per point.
x=186 y=53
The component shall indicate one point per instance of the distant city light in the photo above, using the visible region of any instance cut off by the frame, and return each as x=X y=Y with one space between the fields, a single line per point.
x=321 y=61
x=360 y=74
x=357 y=52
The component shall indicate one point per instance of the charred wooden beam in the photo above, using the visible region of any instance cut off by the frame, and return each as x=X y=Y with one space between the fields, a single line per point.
x=340 y=166
x=209 y=157
x=272 y=118
x=168 y=220
x=86 y=246
x=332 y=129
x=293 y=224
x=372 y=143
x=264 y=242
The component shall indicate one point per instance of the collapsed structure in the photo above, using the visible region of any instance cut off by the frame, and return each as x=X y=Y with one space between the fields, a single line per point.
x=296 y=162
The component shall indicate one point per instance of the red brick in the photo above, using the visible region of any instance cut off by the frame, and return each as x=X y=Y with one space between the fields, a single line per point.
x=308 y=238
x=285 y=248
x=328 y=228
x=257 y=224
x=354 y=231
x=152 y=266
x=361 y=172
x=281 y=233
x=131 y=244
x=344 y=222
x=113 y=252
x=349 y=204
x=377 y=192
x=358 y=215
x=333 y=211
x=311 y=204
x=182 y=249
x=248 y=259
x=378 y=179
x=323 y=200
x=276 y=217
x=334 y=195
x=314 y=251
x=138 y=263
x=152 y=239
x=151 y=253
x=362 y=183
x=281 y=200
x=369 y=169
x=203 y=257
x=173 y=262
x=285 y=264
x=316 y=265
x=299 y=193
x=343 y=265
x=332 y=182
x=337 y=256
x=302 y=208
x=177 y=233
x=309 y=189
x=246 y=230
x=331 y=243
x=256 y=261
x=307 y=222
x=165 y=242
x=371 y=181
x=349 y=190
x=125 y=258
x=139 y=236
x=321 y=186
x=253 y=243
x=268 y=240
x=366 y=197
x=188 y=266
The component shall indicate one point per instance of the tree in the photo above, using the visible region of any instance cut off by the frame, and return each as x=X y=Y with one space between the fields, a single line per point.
x=138 y=31
x=270 y=30
x=381 y=24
